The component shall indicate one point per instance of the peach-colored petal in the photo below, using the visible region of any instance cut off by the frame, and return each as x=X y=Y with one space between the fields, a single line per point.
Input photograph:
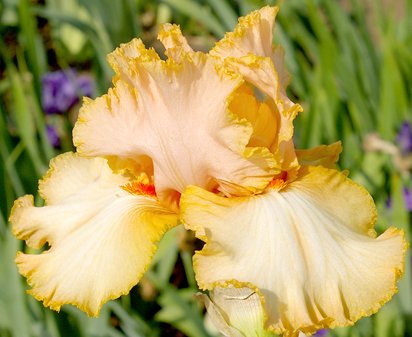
x=123 y=57
x=175 y=113
x=102 y=229
x=253 y=38
x=175 y=43
x=310 y=249
x=248 y=50
x=253 y=34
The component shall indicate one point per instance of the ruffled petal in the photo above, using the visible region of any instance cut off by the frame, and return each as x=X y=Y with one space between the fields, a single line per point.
x=123 y=58
x=248 y=50
x=175 y=113
x=173 y=40
x=252 y=39
x=102 y=229
x=236 y=312
x=253 y=34
x=279 y=140
x=310 y=249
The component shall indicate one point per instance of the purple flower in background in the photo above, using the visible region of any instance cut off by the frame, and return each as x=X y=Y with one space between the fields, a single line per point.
x=321 y=333
x=404 y=138
x=407 y=197
x=62 y=89
x=53 y=136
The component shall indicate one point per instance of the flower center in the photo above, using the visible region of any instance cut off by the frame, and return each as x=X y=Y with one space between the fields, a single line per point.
x=138 y=188
x=279 y=182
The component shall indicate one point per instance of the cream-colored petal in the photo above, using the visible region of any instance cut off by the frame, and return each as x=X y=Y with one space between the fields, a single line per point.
x=176 y=114
x=101 y=230
x=175 y=43
x=236 y=311
x=324 y=155
x=309 y=249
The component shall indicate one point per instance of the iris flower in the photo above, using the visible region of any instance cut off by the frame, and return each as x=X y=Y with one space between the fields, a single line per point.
x=61 y=90
x=206 y=140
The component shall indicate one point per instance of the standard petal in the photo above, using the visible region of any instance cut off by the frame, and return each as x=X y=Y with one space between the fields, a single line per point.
x=175 y=113
x=102 y=229
x=123 y=57
x=253 y=38
x=273 y=125
x=248 y=50
x=310 y=250
x=174 y=42
x=253 y=34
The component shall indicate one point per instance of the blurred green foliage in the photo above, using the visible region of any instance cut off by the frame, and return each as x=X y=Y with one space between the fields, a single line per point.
x=351 y=66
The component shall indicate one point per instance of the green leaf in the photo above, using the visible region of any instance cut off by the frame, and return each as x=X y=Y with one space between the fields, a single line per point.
x=179 y=310
x=12 y=295
x=401 y=219
x=203 y=14
x=166 y=255
x=32 y=42
x=388 y=321
x=226 y=14
x=24 y=119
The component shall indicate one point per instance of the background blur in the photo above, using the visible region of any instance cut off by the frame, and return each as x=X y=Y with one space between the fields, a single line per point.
x=351 y=66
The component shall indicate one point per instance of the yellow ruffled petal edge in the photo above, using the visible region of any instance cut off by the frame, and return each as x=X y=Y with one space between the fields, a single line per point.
x=174 y=42
x=123 y=58
x=102 y=234
x=258 y=24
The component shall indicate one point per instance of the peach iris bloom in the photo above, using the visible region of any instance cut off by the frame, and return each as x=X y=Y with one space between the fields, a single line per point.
x=206 y=140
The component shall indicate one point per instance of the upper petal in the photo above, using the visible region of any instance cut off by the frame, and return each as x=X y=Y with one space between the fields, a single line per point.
x=176 y=114
x=174 y=42
x=248 y=50
x=309 y=249
x=253 y=34
x=253 y=37
x=102 y=228
x=278 y=119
